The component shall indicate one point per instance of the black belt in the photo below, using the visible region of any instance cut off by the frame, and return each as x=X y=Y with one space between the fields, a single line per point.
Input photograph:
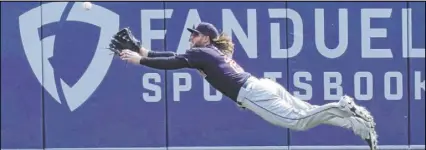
x=243 y=86
x=246 y=83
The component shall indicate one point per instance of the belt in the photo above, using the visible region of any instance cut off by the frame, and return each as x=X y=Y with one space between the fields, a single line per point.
x=247 y=82
x=245 y=85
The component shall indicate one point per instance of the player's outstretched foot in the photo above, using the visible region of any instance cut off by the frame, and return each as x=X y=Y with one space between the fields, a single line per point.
x=365 y=130
x=348 y=104
x=372 y=139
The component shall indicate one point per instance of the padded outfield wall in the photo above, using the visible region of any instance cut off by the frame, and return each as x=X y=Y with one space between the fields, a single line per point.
x=61 y=89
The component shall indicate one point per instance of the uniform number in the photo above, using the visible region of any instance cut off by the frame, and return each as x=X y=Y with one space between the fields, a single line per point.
x=237 y=68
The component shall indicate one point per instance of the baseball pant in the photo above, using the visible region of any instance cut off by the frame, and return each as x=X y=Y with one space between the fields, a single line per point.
x=275 y=104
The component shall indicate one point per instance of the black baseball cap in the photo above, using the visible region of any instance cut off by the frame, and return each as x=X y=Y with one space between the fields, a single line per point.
x=205 y=28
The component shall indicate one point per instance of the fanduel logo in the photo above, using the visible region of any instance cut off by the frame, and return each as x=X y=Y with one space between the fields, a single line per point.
x=38 y=51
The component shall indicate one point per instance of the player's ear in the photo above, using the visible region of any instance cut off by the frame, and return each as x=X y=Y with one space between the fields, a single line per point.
x=207 y=38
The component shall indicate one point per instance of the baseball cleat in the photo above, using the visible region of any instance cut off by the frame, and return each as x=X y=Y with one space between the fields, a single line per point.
x=372 y=139
x=365 y=130
x=348 y=104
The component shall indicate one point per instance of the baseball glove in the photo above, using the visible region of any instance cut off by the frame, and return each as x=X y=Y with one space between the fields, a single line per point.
x=124 y=39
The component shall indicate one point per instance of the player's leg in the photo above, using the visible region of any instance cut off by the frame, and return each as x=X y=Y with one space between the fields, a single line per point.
x=365 y=129
x=276 y=111
x=337 y=120
x=347 y=101
x=261 y=97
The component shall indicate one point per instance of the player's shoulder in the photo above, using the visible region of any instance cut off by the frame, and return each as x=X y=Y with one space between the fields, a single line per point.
x=201 y=49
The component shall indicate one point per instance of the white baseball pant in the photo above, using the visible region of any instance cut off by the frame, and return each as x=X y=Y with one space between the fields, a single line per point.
x=275 y=104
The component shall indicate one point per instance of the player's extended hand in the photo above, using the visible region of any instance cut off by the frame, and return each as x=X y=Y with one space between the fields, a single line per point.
x=131 y=56
x=143 y=52
x=124 y=39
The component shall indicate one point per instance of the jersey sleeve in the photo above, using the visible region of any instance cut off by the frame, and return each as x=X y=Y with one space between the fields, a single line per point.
x=191 y=59
x=161 y=53
x=195 y=58
x=167 y=63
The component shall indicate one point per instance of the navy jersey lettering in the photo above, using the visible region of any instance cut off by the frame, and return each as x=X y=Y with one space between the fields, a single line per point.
x=221 y=71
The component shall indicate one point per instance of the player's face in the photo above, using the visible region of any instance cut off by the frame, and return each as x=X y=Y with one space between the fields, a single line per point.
x=197 y=40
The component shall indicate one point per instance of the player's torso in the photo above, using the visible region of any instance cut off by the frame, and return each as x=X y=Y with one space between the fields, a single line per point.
x=223 y=73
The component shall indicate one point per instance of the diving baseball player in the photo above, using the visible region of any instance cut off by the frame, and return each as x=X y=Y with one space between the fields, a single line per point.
x=211 y=54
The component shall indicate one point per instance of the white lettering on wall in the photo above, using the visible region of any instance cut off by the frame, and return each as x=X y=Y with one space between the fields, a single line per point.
x=177 y=87
x=301 y=85
x=231 y=26
x=152 y=87
x=396 y=85
x=419 y=85
x=367 y=32
x=329 y=85
x=368 y=86
x=148 y=34
x=320 y=35
x=296 y=19
x=407 y=37
x=272 y=75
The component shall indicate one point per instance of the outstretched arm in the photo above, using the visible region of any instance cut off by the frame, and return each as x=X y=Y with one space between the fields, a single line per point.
x=151 y=53
x=168 y=63
x=190 y=59
x=161 y=54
